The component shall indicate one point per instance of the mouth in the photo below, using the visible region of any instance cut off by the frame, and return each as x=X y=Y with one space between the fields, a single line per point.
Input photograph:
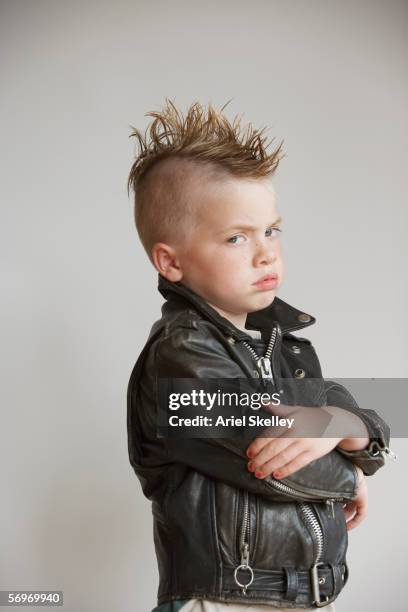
x=270 y=281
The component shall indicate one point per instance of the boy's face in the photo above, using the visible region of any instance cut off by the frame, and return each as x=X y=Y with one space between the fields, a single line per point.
x=234 y=245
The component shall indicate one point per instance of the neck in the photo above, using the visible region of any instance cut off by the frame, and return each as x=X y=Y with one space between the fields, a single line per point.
x=236 y=319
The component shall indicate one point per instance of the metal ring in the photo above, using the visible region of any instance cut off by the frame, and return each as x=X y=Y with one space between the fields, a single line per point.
x=371 y=450
x=246 y=567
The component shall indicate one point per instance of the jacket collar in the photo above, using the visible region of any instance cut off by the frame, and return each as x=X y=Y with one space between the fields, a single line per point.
x=288 y=317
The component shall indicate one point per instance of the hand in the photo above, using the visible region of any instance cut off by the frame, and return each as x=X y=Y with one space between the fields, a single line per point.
x=280 y=452
x=355 y=511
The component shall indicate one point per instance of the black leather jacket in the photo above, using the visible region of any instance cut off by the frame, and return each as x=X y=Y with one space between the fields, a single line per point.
x=211 y=515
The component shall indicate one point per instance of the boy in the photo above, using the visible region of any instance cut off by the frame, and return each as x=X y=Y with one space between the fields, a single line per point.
x=238 y=525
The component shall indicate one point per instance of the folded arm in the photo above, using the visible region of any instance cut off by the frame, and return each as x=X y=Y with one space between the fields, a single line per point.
x=194 y=353
x=370 y=458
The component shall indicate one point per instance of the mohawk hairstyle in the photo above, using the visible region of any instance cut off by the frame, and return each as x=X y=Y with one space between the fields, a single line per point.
x=175 y=152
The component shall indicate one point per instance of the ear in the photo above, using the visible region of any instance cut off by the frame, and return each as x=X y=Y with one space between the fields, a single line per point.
x=166 y=262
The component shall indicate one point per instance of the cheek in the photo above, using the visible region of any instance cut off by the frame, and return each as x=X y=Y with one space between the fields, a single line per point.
x=278 y=247
x=233 y=257
x=233 y=267
x=278 y=252
x=199 y=259
x=280 y=263
x=228 y=266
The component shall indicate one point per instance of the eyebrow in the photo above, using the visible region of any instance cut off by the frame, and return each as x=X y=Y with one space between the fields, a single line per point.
x=240 y=226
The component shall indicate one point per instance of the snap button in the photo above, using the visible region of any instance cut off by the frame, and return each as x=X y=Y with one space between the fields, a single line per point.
x=295 y=349
x=304 y=318
x=299 y=373
x=322 y=580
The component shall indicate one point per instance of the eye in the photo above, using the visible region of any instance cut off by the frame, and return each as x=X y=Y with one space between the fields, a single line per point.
x=277 y=230
x=232 y=240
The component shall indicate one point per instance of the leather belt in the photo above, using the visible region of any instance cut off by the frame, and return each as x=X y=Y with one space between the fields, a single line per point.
x=321 y=584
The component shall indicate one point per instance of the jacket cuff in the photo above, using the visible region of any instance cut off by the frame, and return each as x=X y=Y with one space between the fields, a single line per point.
x=373 y=456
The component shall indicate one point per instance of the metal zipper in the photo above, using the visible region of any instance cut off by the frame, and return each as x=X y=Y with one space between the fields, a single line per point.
x=311 y=518
x=329 y=503
x=318 y=538
x=316 y=531
x=244 y=547
x=287 y=489
x=264 y=363
x=265 y=367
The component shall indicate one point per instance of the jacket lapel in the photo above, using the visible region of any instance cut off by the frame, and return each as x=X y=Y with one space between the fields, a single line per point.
x=288 y=317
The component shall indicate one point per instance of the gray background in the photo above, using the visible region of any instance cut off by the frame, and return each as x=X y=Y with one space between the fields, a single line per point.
x=79 y=295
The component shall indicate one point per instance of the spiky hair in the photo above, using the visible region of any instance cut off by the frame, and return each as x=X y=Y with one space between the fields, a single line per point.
x=177 y=150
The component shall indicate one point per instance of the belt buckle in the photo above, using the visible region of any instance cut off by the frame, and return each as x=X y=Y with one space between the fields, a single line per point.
x=314 y=576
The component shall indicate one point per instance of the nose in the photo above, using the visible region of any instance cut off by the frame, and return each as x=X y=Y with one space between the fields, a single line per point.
x=264 y=253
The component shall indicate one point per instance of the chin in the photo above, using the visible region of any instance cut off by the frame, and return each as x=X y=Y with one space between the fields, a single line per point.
x=263 y=301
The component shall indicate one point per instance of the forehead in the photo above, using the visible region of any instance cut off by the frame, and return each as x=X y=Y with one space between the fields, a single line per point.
x=237 y=200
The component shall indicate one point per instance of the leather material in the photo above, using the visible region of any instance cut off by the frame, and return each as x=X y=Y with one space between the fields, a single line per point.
x=199 y=487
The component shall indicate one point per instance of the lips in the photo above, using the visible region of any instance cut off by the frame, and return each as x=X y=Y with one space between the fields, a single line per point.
x=269 y=282
x=264 y=279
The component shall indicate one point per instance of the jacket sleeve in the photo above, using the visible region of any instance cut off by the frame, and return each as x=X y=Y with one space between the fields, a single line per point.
x=195 y=353
x=371 y=458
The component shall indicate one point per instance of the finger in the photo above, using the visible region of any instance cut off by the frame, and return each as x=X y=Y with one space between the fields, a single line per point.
x=362 y=507
x=256 y=446
x=296 y=464
x=354 y=522
x=284 y=457
x=359 y=517
x=268 y=435
x=270 y=450
x=349 y=510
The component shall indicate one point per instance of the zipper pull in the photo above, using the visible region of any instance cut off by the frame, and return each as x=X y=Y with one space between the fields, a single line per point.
x=245 y=567
x=329 y=503
x=264 y=364
x=245 y=554
x=390 y=453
